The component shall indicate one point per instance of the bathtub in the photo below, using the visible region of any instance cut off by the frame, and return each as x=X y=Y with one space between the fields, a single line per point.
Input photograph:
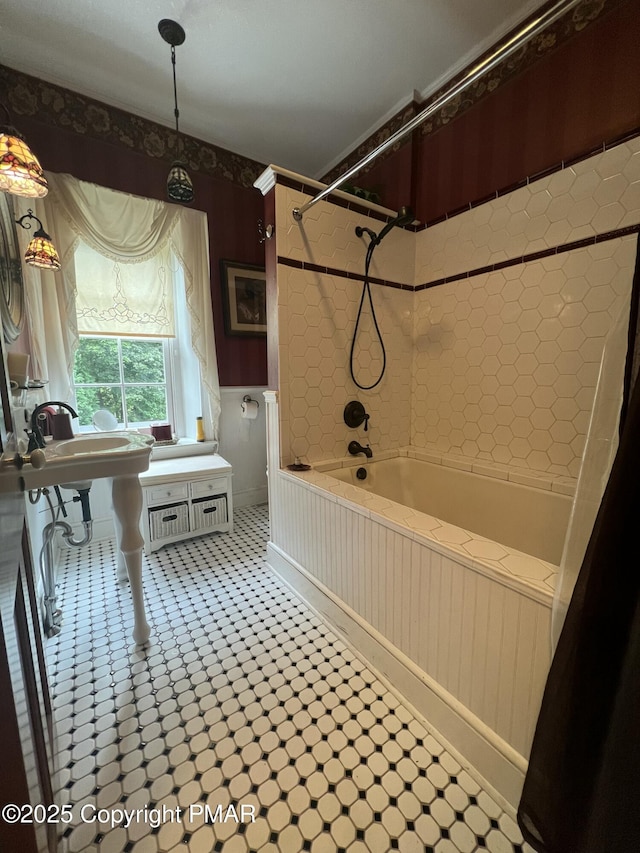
x=531 y=520
x=442 y=579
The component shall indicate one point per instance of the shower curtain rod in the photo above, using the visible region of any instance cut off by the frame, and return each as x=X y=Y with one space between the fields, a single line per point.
x=532 y=29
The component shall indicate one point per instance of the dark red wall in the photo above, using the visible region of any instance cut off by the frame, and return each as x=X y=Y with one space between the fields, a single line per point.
x=391 y=178
x=582 y=94
x=233 y=212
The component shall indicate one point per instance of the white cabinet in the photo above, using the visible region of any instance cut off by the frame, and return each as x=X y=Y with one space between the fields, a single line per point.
x=185 y=497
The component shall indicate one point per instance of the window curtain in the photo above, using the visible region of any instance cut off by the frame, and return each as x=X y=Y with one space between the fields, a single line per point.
x=128 y=230
x=583 y=781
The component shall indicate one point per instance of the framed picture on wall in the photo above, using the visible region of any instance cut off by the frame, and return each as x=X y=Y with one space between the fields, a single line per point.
x=244 y=298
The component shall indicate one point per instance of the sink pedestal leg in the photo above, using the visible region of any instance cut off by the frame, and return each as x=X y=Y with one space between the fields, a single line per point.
x=126 y=494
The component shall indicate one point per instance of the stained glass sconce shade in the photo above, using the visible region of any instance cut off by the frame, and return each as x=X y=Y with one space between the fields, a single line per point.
x=40 y=252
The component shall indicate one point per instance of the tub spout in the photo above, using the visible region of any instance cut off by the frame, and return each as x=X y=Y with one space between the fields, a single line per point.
x=355 y=448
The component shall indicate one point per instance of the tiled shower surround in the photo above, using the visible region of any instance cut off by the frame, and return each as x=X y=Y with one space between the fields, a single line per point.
x=244 y=696
x=494 y=323
x=500 y=364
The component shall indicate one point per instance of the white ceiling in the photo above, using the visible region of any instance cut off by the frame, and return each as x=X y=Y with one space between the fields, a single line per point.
x=291 y=82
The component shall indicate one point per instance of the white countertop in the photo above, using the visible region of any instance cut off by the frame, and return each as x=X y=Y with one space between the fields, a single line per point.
x=184 y=468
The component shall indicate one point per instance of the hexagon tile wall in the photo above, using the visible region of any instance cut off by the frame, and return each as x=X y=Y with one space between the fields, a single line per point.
x=506 y=362
x=500 y=364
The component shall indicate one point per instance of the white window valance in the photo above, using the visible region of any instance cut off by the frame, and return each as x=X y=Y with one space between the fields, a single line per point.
x=127 y=230
x=114 y=298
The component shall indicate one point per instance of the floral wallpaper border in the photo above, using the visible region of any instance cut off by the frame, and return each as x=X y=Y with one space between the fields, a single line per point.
x=54 y=105
x=570 y=24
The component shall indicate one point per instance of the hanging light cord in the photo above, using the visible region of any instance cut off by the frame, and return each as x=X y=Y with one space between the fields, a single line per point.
x=176 y=111
x=366 y=290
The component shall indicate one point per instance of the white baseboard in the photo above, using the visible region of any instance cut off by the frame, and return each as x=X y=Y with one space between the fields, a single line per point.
x=250 y=497
x=477 y=746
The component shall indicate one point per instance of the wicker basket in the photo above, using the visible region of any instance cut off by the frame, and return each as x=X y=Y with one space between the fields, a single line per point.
x=171 y=520
x=209 y=512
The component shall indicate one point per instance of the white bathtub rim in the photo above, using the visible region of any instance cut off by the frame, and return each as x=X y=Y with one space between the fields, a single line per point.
x=491 y=761
x=547 y=481
x=355 y=499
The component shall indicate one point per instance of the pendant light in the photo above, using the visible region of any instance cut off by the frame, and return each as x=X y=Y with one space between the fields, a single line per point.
x=40 y=252
x=20 y=171
x=179 y=186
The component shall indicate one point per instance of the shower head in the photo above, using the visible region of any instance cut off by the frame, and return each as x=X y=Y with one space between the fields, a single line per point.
x=404 y=217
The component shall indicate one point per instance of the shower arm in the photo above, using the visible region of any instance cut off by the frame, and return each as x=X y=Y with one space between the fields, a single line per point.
x=529 y=31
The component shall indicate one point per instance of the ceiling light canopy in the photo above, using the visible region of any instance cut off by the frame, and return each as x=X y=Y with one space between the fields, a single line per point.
x=179 y=185
x=20 y=170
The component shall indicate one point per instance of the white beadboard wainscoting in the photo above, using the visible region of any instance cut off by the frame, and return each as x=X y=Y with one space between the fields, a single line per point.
x=243 y=444
x=468 y=648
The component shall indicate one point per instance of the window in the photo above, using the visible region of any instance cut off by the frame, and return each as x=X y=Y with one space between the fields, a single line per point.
x=128 y=376
x=126 y=319
x=94 y=296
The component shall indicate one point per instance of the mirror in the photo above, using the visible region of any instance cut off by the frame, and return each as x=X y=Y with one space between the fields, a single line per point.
x=11 y=287
x=104 y=420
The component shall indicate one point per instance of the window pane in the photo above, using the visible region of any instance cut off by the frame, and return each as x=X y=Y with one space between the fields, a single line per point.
x=143 y=361
x=96 y=360
x=146 y=403
x=91 y=399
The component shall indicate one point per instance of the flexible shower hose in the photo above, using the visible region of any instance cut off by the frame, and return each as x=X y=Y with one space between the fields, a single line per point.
x=366 y=291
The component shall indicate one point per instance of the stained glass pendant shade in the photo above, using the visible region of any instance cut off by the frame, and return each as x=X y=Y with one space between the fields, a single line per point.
x=20 y=171
x=179 y=185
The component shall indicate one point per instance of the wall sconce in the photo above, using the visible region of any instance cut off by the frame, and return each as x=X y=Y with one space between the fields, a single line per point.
x=20 y=171
x=40 y=252
x=179 y=185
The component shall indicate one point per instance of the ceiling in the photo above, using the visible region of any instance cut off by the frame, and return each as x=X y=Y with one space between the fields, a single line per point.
x=291 y=82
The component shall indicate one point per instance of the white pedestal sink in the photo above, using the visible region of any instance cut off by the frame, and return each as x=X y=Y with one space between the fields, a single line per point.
x=119 y=457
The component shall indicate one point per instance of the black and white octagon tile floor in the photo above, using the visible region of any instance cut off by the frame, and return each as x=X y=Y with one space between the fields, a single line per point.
x=246 y=703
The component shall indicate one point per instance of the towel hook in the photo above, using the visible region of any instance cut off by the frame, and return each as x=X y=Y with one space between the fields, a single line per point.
x=264 y=232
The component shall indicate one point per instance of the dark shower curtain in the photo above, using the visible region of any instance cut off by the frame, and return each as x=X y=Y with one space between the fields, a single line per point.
x=582 y=789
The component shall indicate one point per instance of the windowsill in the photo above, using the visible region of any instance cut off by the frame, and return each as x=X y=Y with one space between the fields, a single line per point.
x=184 y=447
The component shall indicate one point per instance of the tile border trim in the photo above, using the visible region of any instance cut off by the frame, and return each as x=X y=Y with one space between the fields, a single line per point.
x=307 y=265
x=489 y=268
x=534 y=256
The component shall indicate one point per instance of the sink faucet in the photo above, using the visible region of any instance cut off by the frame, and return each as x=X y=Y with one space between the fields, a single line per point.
x=36 y=438
x=355 y=448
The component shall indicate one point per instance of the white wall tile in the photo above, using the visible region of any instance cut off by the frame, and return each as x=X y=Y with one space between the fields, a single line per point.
x=522 y=348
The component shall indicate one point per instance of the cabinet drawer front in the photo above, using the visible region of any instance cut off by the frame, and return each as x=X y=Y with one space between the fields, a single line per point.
x=201 y=488
x=169 y=491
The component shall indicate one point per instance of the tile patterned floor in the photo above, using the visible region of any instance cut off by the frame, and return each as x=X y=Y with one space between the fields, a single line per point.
x=245 y=698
